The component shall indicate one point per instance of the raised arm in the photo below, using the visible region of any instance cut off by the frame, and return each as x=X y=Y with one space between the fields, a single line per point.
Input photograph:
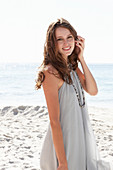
x=87 y=80
x=50 y=87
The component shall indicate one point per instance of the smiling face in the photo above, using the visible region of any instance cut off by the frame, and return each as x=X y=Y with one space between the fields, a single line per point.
x=65 y=41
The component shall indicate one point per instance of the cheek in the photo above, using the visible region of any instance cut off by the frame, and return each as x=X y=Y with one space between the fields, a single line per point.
x=59 y=46
x=73 y=44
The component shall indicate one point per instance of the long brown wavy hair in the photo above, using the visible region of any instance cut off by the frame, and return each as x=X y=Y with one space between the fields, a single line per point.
x=54 y=58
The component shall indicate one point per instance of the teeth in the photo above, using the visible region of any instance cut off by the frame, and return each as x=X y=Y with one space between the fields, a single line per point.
x=66 y=48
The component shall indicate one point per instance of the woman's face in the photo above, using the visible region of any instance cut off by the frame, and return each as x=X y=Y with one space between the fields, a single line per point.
x=65 y=41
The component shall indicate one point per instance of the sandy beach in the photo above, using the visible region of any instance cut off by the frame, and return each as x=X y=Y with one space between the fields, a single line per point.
x=22 y=131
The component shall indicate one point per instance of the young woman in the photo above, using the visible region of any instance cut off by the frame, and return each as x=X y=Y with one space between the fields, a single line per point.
x=69 y=143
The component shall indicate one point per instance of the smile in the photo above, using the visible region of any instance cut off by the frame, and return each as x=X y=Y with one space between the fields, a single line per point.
x=66 y=49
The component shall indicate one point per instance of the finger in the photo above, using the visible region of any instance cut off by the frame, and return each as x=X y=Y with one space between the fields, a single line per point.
x=80 y=46
x=81 y=38
x=80 y=43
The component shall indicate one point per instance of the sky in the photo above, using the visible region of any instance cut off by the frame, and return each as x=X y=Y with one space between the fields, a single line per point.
x=23 y=26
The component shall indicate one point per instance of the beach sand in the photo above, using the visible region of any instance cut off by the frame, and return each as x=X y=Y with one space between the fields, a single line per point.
x=23 y=128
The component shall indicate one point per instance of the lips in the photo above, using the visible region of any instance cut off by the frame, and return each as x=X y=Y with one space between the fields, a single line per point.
x=67 y=48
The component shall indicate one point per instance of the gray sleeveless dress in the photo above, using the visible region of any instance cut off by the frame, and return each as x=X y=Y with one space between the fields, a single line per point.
x=79 y=141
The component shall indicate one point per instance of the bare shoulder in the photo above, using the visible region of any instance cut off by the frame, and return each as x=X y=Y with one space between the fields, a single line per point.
x=49 y=68
x=50 y=79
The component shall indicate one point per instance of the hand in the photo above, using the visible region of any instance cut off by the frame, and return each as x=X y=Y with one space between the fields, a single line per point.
x=62 y=167
x=80 y=44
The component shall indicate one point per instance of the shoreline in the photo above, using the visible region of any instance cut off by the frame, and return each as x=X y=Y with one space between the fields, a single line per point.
x=23 y=129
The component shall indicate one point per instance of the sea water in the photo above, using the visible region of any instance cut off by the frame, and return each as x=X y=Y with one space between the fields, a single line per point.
x=17 y=85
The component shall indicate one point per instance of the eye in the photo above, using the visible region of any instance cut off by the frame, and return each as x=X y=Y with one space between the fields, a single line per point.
x=59 y=39
x=70 y=37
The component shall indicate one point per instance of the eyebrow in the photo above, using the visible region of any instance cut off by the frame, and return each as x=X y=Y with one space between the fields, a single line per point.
x=61 y=36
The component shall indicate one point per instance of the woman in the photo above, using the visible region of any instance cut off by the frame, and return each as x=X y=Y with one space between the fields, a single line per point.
x=69 y=143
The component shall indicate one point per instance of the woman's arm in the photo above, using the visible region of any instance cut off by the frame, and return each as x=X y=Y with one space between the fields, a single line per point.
x=50 y=87
x=87 y=80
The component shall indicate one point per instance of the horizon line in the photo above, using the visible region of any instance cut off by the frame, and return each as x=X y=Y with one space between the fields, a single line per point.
x=33 y=62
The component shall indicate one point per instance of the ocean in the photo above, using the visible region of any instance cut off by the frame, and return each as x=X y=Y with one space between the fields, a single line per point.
x=17 y=85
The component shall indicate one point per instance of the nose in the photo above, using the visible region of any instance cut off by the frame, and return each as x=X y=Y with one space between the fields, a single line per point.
x=65 y=42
